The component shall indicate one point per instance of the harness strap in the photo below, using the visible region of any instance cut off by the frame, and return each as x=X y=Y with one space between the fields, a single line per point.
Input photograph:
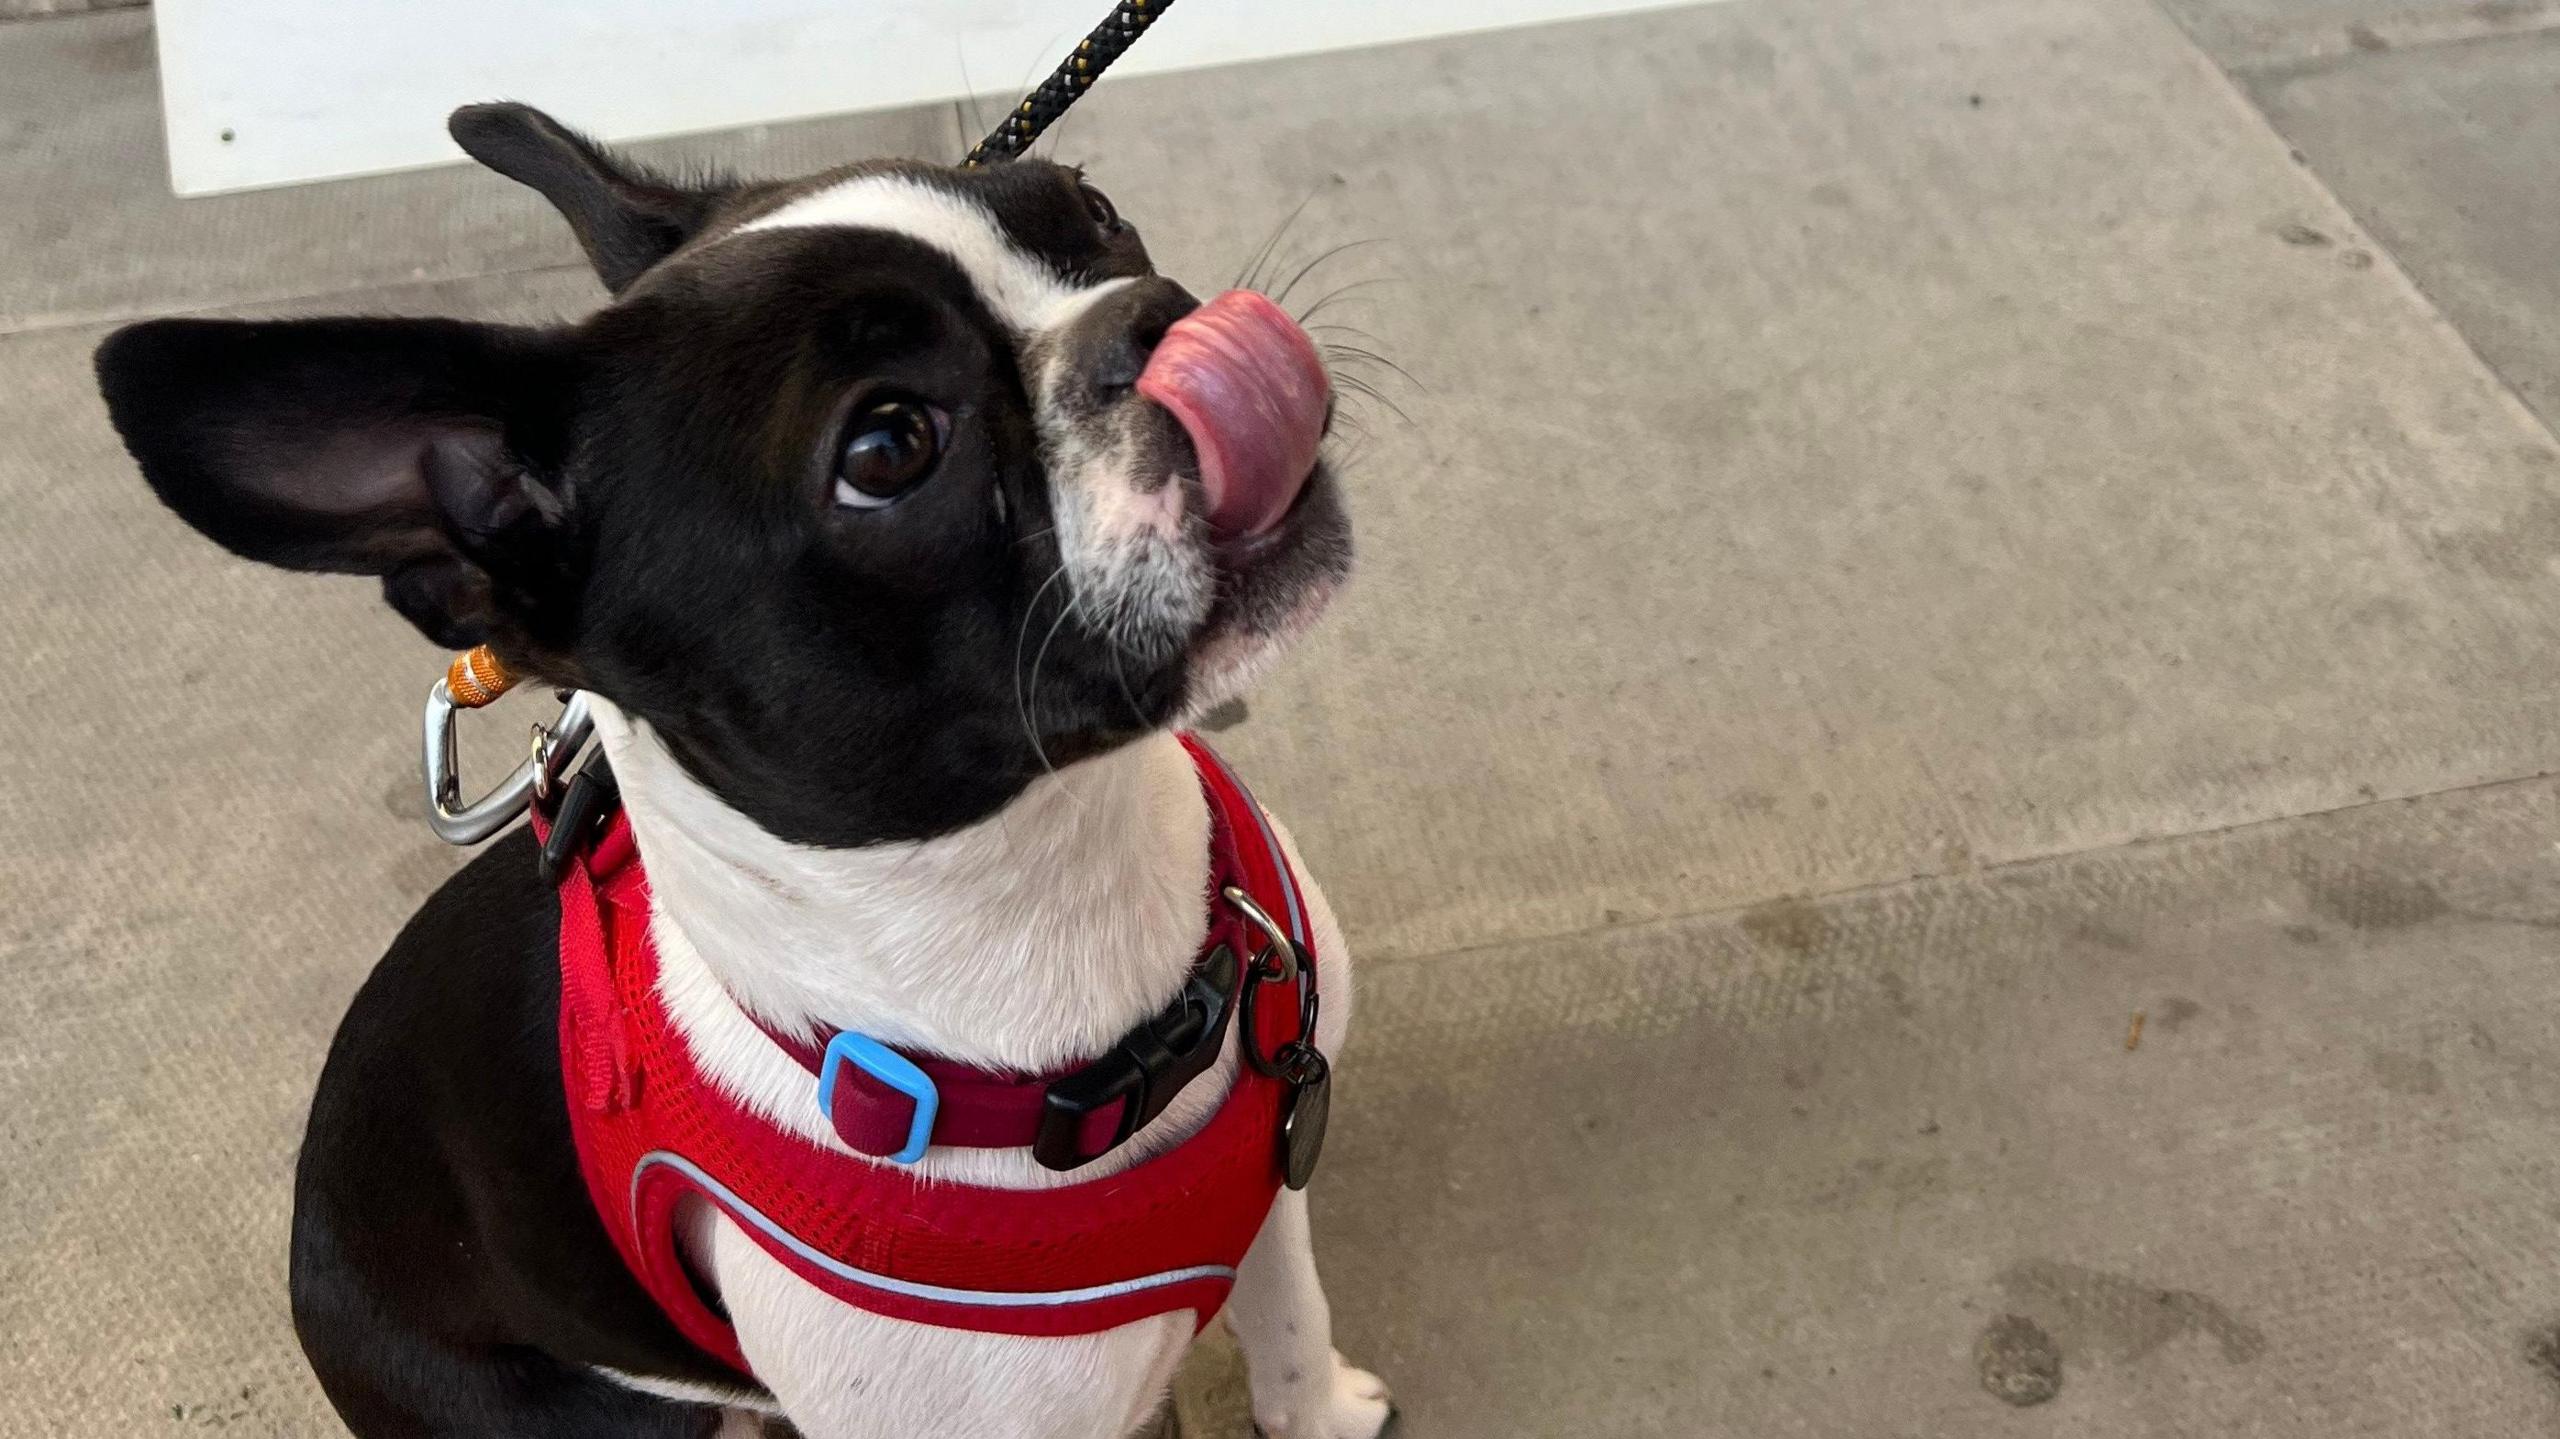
x=596 y=1050
x=654 y=1135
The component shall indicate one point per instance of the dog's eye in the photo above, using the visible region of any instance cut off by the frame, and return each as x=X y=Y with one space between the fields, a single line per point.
x=1098 y=205
x=888 y=448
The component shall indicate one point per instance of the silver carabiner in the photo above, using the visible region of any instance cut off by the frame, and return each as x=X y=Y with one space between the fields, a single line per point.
x=555 y=748
x=1280 y=942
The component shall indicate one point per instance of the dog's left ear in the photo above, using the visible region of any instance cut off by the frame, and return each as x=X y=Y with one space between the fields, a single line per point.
x=423 y=451
x=627 y=216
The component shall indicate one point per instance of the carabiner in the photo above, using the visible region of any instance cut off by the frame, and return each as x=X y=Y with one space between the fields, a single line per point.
x=555 y=747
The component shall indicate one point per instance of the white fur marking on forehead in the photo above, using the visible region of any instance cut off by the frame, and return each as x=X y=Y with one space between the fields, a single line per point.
x=1023 y=291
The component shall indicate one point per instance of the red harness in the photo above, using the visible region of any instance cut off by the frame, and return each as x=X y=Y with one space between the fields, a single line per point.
x=1163 y=1235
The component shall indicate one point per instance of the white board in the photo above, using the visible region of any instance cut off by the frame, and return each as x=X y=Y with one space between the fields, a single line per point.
x=270 y=92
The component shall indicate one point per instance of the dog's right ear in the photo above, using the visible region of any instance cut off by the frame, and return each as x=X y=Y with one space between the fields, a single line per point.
x=627 y=216
x=427 y=452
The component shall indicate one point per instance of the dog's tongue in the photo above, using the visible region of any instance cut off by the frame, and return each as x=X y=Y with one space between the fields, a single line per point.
x=1244 y=382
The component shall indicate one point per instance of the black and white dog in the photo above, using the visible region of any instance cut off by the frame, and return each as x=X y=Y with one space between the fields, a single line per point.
x=889 y=586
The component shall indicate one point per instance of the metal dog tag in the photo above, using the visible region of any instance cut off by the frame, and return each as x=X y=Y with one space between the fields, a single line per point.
x=1310 y=1107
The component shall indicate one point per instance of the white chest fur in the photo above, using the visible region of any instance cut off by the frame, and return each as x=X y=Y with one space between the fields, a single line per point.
x=1027 y=941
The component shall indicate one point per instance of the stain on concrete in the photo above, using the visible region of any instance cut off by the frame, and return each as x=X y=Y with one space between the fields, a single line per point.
x=1752 y=801
x=113 y=56
x=2296 y=233
x=2174 y=1012
x=2361 y=897
x=220 y=1413
x=2121 y=1317
x=1795 y=925
x=1226 y=716
x=1897 y=992
x=2363 y=38
x=405 y=798
x=1892 y=1183
x=2303 y=933
x=2356 y=259
x=2105 y=936
x=2019 y=1363
x=2406 y=1073
x=2498 y=12
x=1830 y=194
x=2542 y=1351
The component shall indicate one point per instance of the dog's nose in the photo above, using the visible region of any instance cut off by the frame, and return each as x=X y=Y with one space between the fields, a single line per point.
x=1125 y=327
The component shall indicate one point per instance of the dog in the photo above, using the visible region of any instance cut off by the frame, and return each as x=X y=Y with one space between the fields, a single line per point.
x=893 y=542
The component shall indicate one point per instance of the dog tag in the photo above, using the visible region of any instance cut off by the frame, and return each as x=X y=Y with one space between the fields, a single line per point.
x=1309 y=1108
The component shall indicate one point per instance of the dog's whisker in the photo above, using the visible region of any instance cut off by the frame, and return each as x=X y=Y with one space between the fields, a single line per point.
x=977 y=122
x=1033 y=712
x=1368 y=391
x=1252 y=270
x=1372 y=357
x=1337 y=328
x=1040 y=61
x=1365 y=391
x=1120 y=655
x=1054 y=139
x=1120 y=669
x=1021 y=697
x=1332 y=296
x=1346 y=247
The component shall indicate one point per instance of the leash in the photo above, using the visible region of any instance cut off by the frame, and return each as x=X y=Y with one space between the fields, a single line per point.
x=477 y=677
x=1107 y=42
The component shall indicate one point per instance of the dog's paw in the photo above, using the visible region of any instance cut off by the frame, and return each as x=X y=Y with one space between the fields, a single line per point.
x=1347 y=1404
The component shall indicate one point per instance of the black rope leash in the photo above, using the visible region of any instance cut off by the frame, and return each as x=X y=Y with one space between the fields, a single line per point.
x=1066 y=84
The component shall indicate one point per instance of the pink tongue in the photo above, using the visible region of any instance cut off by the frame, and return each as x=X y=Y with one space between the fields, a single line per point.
x=1244 y=382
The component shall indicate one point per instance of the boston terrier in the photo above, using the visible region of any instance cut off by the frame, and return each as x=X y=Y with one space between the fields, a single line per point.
x=894 y=520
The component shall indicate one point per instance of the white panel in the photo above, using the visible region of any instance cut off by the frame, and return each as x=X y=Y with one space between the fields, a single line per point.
x=267 y=92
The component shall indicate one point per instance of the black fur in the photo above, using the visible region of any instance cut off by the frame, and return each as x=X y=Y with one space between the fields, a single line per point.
x=404 y=448
x=626 y=216
x=449 y=1275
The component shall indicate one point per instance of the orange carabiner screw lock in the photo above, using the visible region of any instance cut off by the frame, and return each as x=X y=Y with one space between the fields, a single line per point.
x=476 y=677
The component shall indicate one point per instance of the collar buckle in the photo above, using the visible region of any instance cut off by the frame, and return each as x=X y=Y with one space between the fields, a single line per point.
x=1096 y=1109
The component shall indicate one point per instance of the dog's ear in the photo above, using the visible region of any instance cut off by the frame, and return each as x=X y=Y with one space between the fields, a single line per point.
x=422 y=451
x=627 y=216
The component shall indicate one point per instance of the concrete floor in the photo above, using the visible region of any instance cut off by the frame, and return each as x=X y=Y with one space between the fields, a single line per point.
x=1928 y=531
